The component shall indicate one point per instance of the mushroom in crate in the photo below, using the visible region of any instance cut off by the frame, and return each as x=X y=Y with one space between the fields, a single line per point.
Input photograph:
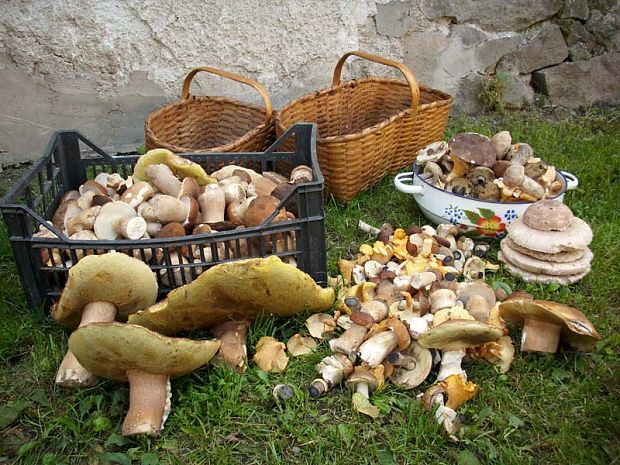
x=144 y=358
x=546 y=324
x=100 y=288
x=235 y=291
x=548 y=244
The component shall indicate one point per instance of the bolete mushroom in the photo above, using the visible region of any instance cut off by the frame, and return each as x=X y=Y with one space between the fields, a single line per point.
x=413 y=366
x=333 y=369
x=545 y=323
x=100 y=288
x=181 y=167
x=233 y=349
x=374 y=350
x=363 y=382
x=119 y=219
x=148 y=360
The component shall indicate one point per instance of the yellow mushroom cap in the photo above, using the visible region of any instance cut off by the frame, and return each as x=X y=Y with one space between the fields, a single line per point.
x=181 y=167
x=117 y=278
x=577 y=330
x=109 y=350
x=236 y=290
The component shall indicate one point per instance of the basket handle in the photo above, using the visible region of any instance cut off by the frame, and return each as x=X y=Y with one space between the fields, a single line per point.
x=413 y=83
x=235 y=77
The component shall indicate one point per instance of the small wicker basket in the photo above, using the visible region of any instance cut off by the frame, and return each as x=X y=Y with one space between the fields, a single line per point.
x=368 y=127
x=211 y=124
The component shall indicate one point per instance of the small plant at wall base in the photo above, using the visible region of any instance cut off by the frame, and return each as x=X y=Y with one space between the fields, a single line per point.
x=492 y=92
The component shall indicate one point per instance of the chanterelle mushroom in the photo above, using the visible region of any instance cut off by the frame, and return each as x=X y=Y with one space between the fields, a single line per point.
x=100 y=288
x=146 y=359
x=545 y=323
x=236 y=290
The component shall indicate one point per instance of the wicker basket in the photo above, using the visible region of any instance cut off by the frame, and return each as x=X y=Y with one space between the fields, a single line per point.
x=368 y=127
x=211 y=124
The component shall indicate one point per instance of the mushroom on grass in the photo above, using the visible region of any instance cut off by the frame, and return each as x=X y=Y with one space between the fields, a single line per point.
x=146 y=359
x=100 y=288
x=333 y=369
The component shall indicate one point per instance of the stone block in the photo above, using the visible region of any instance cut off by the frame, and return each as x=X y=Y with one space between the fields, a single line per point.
x=518 y=93
x=577 y=9
x=581 y=83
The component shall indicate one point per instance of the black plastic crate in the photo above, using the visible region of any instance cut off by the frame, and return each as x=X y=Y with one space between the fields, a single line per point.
x=70 y=159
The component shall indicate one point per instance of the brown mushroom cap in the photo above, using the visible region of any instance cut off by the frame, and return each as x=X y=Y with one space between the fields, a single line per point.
x=362 y=375
x=109 y=350
x=459 y=334
x=577 y=330
x=260 y=208
x=548 y=215
x=117 y=278
x=473 y=148
x=576 y=237
x=236 y=290
x=181 y=167
x=467 y=289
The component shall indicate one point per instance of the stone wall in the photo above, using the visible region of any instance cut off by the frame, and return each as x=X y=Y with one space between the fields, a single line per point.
x=102 y=66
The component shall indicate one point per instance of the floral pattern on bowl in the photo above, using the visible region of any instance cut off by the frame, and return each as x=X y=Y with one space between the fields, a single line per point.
x=487 y=223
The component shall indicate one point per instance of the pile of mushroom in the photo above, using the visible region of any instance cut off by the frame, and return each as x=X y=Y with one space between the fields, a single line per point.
x=547 y=244
x=169 y=196
x=472 y=165
x=401 y=311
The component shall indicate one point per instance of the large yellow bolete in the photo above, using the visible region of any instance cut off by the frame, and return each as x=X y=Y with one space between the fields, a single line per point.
x=181 y=167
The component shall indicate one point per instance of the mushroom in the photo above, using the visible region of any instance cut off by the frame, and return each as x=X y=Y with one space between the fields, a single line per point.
x=460 y=186
x=66 y=210
x=414 y=365
x=320 y=325
x=473 y=269
x=147 y=360
x=441 y=298
x=83 y=221
x=162 y=177
x=480 y=176
x=501 y=142
x=261 y=208
x=233 y=349
x=301 y=174
x=350 y=340
x=333 y=370
x=431 y=153
x=576 y=237
x=470 y=149
x=300 y=345
x=260 y=186
x=518 y=154
x=119 y=219
x=489 y=191
x=514 y=177
x=138 y=193
x=548 y=215
x=92 y=186
x=236 y=290
x=363 y=381
x=545 y=323
x=100 y=288
x=169 y=209
x=270 y=355
x=560 y=257
x=374 y=350
x=181 y=167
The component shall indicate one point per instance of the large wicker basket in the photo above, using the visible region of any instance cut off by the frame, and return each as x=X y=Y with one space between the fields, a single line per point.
x=368 y=127
x=211 y=124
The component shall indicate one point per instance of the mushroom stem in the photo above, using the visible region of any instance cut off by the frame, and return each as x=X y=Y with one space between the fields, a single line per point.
x=362 y=388
x=367 y=228
x=540 y=336
x=451 y=364
x=148 y=395
x=233 y=349
x=71 y=373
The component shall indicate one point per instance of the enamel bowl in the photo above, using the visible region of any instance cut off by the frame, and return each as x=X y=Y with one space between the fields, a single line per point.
x=474 y=217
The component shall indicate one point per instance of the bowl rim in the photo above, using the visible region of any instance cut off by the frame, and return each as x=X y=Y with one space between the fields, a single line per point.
x=558 y=173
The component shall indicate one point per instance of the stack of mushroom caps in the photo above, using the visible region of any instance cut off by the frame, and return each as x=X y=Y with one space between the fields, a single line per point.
x=548 y=244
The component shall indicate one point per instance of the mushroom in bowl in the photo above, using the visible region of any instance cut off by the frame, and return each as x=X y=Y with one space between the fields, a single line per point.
x=480 y=184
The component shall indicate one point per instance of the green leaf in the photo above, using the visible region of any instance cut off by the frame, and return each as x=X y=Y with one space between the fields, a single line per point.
x=486 y=213
x=26 y=447
x=40 y=397
x=467 y=457
x=117 y=440
x=346 y=434
x=473 y=217
x=385 y=457
x=10 y=412
x=113 y=457
x=149 y=458
x=101 y=423
x=263 y=376
x=515 y=421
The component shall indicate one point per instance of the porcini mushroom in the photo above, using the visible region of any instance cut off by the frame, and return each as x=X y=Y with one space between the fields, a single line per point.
x=363 y=382
x=119 y=219
x=333 y=369
x=350 y=340
x=181 y=167
x=413 y=366
x=545 y=323
x=233 y=349
x=100 y=288
x=147 y=360
x=374 y=350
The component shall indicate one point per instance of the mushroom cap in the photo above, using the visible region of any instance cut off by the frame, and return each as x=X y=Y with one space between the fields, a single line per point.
x=109 y=350
x=529 y=277
x=401 y=332
x=409 y=379
x=548 y=215
x=236 y=290
x=577 y=330
x=362 y=375
x=181 y=167
x=117 y=278
x=534 y=265
x=473 y=148
x=260 y=208
x=466 y=289
x=576 y=237
x=560 y=257
x=110 y=212
x=459 y=334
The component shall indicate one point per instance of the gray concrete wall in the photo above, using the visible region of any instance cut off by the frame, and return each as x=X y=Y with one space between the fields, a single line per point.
x=103 y=66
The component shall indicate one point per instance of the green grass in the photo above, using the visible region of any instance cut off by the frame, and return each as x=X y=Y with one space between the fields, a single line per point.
x=548 y=409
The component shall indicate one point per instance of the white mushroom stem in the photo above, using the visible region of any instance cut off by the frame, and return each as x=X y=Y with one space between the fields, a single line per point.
x=540 y=336
x=367 y=228
x=148 y=395
x=333 y=370
x=349 y=341
x=131 y=228
x=362 y=388
x=374 y=350
x=451 y=364
x=71 y=373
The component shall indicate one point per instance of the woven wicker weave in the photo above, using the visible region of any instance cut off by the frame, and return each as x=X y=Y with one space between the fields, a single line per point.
x=211 y=124
x=368 y=127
